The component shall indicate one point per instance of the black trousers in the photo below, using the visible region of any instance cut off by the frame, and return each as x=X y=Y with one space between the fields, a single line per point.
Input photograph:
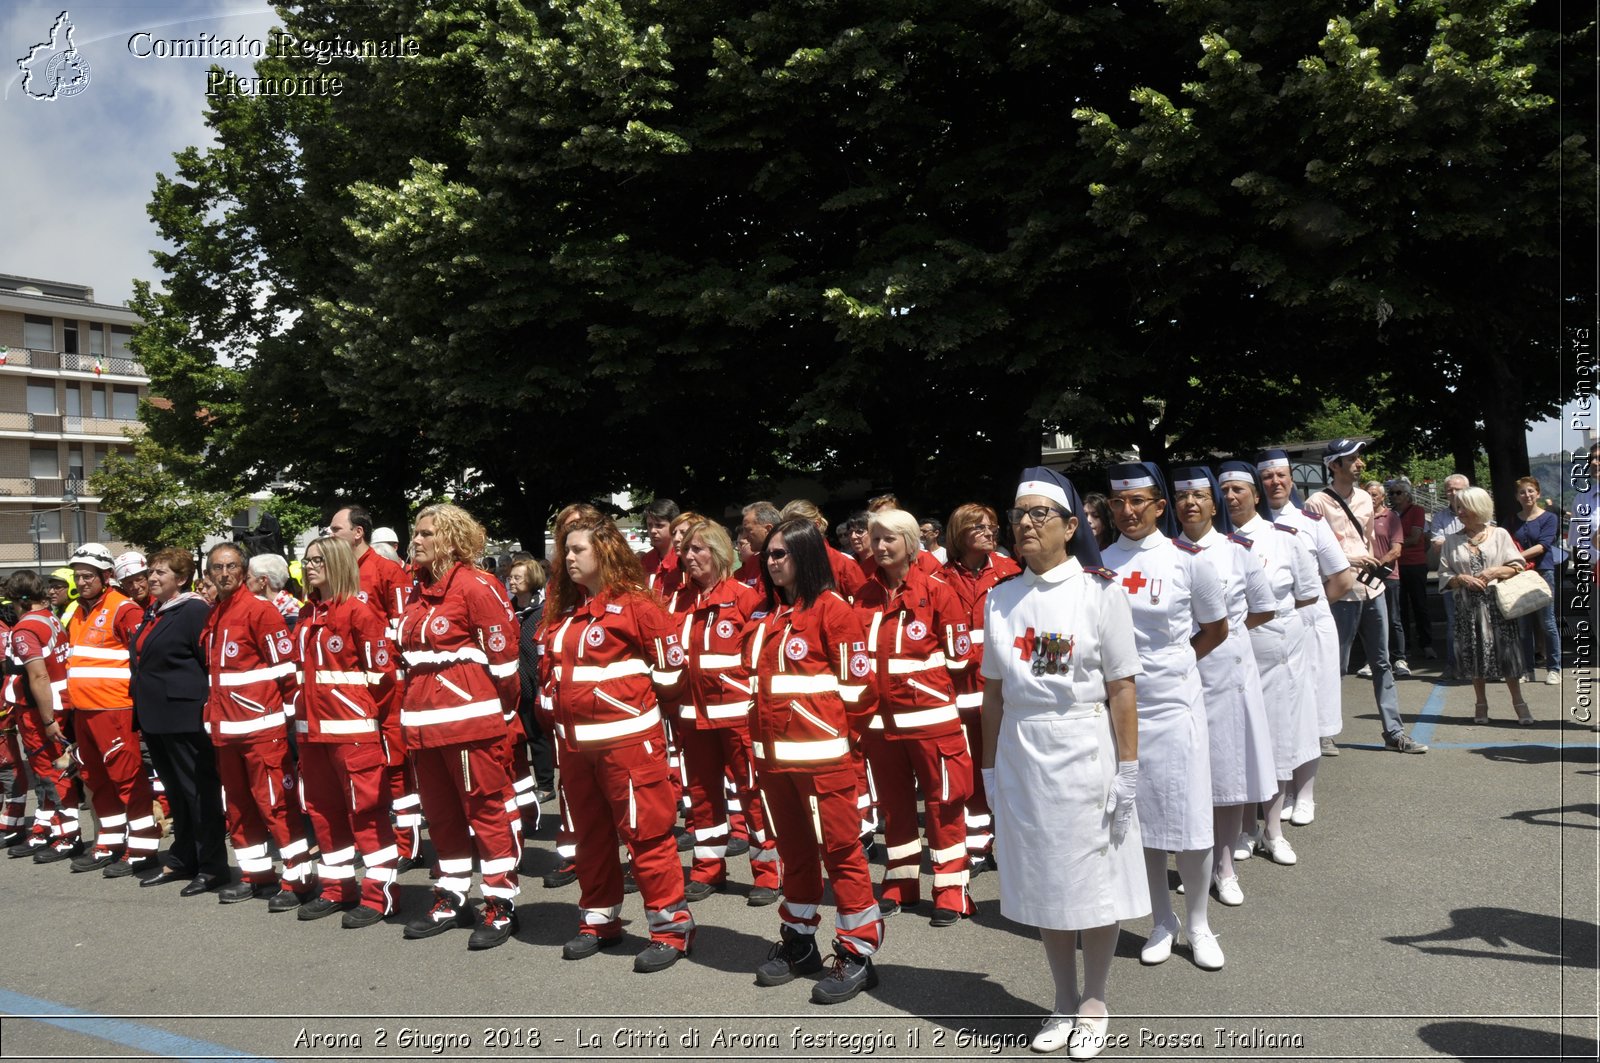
x=1414 y=603
x=187 y=766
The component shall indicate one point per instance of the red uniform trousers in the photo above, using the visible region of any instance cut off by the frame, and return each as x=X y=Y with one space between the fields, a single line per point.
x=678 y=770
x=625 y=792
x=464 y=788
x=14 y=770
x=56 y=815
x=980 y=819
x=943 y=768
x=711 y=755
x=519 y=771
x=812 y=811
x=344 y=787
x=866 y=792
x=400 y=784
x=257 y=782
x=108 y=747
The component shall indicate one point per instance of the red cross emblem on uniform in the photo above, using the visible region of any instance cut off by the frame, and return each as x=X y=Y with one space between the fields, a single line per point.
x=1134 y=582
x=1025 y=644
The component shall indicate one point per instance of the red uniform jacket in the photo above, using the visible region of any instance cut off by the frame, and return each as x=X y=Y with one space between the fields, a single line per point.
x=37 y=637
x=661 y=572
x=458 y=638
x=385 y=584
x=716 y=687
x=973 y=590
x=847 y=575
x=347 y=685
x=812 y=684
x=917 y=637
x=250 y=663
x=606 y=657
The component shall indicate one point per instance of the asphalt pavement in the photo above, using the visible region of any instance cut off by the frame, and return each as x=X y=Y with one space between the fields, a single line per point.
x=1444 y=906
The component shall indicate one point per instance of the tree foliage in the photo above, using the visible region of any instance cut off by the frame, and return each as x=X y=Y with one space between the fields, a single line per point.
x=696 y=246
x=148 y=496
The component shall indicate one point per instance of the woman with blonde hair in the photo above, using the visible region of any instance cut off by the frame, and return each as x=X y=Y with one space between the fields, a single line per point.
x=1473 y=559
x=347 y=688
x=609 y=644
x=711 y=610
x=459 y=640
x=917 y=640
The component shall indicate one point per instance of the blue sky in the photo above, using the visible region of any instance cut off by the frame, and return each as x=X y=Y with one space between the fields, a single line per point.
x=78 y=171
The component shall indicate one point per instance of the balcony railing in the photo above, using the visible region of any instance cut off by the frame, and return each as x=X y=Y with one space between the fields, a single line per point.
x=119 y=364
x=43 y=486
x=57 y=424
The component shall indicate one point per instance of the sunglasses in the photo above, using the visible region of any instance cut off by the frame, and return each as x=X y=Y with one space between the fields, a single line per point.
x=777 y=555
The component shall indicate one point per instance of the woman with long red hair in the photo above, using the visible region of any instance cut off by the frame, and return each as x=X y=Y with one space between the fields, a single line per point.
x=609 y=645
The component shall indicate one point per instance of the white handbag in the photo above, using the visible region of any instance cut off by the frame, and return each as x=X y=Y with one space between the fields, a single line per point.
x=1524 y=593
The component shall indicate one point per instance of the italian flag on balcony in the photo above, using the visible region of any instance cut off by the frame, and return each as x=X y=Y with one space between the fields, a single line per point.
x=98 y=368
x=4 y=352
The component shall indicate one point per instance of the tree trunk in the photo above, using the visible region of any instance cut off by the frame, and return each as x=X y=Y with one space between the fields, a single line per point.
x=1505 y=435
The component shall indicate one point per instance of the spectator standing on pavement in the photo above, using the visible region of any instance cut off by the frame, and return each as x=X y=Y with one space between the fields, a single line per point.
x=1487 y=644
x=1535 y=530
x=1361 y=609
x=1413 y=567
x=1387 y=543
x=1446 y=522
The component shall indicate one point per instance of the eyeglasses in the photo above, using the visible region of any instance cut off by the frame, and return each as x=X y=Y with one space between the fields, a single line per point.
x=777 y=555
x=232 y=566
x=313 y=562
x=1038 y=515
x=1134 y=504
x=989 y=528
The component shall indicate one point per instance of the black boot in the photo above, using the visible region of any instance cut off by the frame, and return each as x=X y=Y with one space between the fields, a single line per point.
x=794 y=954
x=850 y=975
x=449 y=909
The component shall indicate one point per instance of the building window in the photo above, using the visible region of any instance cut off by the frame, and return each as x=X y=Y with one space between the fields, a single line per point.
x=75 y=462
x=69 y=336
x=39 y=333
x=42 y=399
x=119 y=341
x=74 y=401
x=44 y=463
x=97 y=339
x=97 y=400
x=125 y=404
x=49 y=525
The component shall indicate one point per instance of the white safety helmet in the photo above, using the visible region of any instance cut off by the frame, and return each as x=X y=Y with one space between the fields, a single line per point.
x=385 y=535
x=130 y=564
x=93 y=555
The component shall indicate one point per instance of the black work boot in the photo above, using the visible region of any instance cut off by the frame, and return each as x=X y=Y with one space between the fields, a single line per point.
x=794 y=954
x=850 y=975
x=449 y=909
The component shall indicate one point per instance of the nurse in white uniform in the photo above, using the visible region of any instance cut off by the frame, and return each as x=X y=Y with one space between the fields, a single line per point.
x=1061 y=754
x=1178 y=618
x=1243 y=772
x=1277 y=485
x=1288 y=683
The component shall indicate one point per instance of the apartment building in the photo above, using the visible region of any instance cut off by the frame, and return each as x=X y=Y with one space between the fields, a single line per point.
x=69 y=390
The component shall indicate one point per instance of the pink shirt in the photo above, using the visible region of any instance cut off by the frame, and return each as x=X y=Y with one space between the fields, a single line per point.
x=1354 y=539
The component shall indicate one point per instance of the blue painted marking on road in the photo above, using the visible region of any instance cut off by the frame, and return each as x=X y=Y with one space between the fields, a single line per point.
x=119 y=1031
x=1429 y=716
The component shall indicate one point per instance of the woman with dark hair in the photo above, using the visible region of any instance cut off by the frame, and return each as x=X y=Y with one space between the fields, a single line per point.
x=1535 y=530
x=1242 y=769
x=1178 y=618
x=169 y=697
x=610 y=645
x=916 y=639
x=347 y=687
x=459 y=641
x=805 y=652
x=975 y=566
x=1097 y=514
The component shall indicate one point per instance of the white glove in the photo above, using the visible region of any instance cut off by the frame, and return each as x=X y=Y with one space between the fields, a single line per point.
x=988 y=782
x=1119 y=803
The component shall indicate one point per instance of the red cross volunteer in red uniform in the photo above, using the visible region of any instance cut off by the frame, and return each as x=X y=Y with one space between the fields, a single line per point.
x=35 y=688
x=806 y=652
x=917 y=638
x=711 y=610
x=98 y=680
x=459 y=643
x=347 y=682
x=610 y=645
x=250 y=663
x=973 y=568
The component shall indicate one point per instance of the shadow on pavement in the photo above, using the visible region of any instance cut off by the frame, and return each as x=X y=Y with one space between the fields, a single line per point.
x=1530 y=754
x=1552 y=817
x=1567 y=942
x=1483 y=1040
x=988 y=1009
